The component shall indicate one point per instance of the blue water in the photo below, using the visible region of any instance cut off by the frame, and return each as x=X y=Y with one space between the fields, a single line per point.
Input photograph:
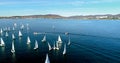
x=92 y=41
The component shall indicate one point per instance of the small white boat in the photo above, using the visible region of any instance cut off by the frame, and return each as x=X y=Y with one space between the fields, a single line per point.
x=64 y=52
x=13 y=48
x=47 y=59
x=44 y=39
x=69 y=42
x=1 y=31
x=57 y=48
x=36 y=45
x=22 y=27
x=13 y=36
x=13 y=29
x=6 y=34
x=8 y=28
x=49 y=46
x=28 y=40
x=15 y=25
x=59 y=39
x=2 y=42
x=20 y=34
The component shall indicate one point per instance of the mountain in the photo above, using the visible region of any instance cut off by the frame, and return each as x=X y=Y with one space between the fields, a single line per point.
x=53 y=16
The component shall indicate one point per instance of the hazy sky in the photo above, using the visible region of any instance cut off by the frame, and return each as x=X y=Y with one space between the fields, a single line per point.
x=61 y=7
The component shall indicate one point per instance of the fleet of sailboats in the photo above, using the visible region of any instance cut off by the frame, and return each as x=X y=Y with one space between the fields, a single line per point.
x=13 y=48
x=55 y=44
x=36 y=45
x=2 y=42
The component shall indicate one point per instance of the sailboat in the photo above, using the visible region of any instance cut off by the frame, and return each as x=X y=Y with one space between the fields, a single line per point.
x=6 y=34
x=13 y=36
x=20 y=34
x=8 y=28
x=49 y=46
x=54 y=46
x=1 y=31
x=44 y=38
x=22 y=26
x=47 y=59
x=13 y=48
x=28 y=40
x=15 y=25
x=36 y=45
x=2 y=42
x=59 y=39
x=69 y=41
x=57 y=46
x=13 y=29
x=64 y=52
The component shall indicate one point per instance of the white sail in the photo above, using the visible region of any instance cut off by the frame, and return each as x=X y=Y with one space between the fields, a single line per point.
x=2 y=42
x=22 y=26
x=54 y=46
x=28 y=40
x=59 y=39
x=20 y=34
x=44 y=39
x=8 y=28
x=13 y=28
x=36 y=45
x=15 y=25
x=64 y=52
x=49 y=46
x=1 y=31
x=47 y=59
x=69 y=42
x=57 y=46
x=13 y=48
x=13 y=36
x=6 y=34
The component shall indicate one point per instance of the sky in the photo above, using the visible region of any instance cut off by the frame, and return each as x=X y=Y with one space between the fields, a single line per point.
x=60 y=7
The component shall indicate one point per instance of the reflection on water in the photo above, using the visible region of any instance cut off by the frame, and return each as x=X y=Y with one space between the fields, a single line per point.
x=13 y=58
x=28 y=46
x=3 y=49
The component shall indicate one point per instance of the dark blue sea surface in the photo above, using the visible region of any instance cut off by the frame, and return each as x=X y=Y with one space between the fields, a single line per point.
x=92 y=41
